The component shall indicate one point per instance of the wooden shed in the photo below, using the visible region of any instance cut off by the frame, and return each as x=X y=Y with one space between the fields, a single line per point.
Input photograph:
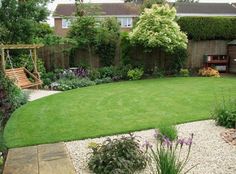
x=232 y=56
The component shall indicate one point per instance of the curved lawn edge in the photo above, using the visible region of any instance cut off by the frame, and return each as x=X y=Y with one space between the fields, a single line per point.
x=114 y=108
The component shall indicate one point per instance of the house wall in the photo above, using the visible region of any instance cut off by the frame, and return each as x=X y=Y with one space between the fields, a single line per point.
x=58 y=28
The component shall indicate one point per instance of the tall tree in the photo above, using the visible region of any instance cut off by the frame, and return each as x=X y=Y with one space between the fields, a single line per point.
x=157 y=28
x=21 y=18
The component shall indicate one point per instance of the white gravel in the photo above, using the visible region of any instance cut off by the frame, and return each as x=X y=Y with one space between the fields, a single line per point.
x=209 y=151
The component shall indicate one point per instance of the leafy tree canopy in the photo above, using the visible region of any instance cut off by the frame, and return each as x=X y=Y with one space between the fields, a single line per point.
x=20 y=19
x=157 y=28
x=188 y=1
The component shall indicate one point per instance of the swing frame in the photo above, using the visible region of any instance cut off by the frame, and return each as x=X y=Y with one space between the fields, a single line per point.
x=32 y=47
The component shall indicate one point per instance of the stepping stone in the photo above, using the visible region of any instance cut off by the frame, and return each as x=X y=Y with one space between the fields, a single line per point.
x=22 y=161
x=41 y=159
x=53 y=158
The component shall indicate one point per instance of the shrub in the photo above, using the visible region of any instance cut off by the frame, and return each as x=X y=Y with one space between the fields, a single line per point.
x=225 y=113
x=103 y=80
x=68 y=84
x=107 y=71
x=94 y=74
x=169 y=131
x=167 y=156
x=184 y=72
x=135 y=74
x=117 y=156
x=209 y=72
x=11 y=97
x=208 y=28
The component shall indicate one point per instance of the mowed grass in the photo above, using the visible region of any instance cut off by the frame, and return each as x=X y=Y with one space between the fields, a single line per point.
x=116 y=108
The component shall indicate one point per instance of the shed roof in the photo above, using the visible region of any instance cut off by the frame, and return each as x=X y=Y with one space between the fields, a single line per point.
x=232 y=42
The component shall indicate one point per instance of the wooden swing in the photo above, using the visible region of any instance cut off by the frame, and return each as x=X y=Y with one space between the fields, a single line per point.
x=20 y=75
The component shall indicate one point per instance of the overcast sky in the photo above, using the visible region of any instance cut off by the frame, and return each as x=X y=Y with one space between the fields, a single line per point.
x=53 y=5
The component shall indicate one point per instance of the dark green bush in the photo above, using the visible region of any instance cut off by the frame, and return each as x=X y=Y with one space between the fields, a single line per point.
x=184 y=72
x=208 y=28
x=11 y=97
x=125 y=47
x=225 y=113
x=117 y=156
x=107 y=71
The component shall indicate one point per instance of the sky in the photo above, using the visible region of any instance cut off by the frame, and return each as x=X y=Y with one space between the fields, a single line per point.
x=53 y=5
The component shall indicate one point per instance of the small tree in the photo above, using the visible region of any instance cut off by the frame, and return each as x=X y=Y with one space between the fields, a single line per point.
x=157 y=28
x=107 y=38
x=83 y=30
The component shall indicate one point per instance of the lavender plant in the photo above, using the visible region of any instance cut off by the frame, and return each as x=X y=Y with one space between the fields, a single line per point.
x=167 y=156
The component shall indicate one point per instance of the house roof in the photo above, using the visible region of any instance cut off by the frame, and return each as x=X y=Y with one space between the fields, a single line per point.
x=130 y=9
x=109 y=9
x=205 y=8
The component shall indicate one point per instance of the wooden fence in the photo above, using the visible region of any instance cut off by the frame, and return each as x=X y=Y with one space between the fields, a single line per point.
x=58 y=56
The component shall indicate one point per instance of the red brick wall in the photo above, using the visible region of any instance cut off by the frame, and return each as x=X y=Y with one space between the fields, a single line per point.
x=58 y=28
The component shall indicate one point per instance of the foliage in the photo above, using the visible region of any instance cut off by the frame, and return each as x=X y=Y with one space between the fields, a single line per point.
x=107 y=71
x=156 y=28
x=26 y=61
x=209 y=28
x=11 y=97
x=107 y=37
x=177 y=61
x=43 y=29
x=209 y=72
x=103 y=80
x=52 y=39
x=135 y=74
x=188 y=1
x=225 y=113
x=167 y=156
x=149 y=3
x=169 y=131
x=21 y=19
x=83 y=30
x=86 y=9
x=68 y=84
x=184 y=72
x=125 y=47
x=94 y=74
x=117 y=156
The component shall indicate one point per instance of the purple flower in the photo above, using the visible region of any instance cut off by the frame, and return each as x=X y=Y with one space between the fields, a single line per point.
x=181 y=142
x=167 y=142
x=189 y=142
x=147 y=145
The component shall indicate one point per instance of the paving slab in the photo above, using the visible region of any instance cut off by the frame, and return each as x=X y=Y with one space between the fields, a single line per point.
x=22 y=161
x=41 y=159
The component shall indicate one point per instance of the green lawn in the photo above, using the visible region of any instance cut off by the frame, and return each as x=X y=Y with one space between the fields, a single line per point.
x=115 y=108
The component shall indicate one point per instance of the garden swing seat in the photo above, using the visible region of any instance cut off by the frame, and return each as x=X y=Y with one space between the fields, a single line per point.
x=20 y=78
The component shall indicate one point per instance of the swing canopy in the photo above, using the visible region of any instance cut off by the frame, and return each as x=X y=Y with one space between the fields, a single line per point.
x=21 y=75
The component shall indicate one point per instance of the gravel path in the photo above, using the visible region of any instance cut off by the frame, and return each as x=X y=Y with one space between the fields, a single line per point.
x=209 y=151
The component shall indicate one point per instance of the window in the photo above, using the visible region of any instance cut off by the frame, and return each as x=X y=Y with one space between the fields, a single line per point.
x=125 y=22
x=66 y=23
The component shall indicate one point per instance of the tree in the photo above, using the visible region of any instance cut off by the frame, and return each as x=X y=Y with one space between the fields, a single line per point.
x=21 y=18
x=83 y=30
x=107 y=39
x=149 y=3
x=157 y=28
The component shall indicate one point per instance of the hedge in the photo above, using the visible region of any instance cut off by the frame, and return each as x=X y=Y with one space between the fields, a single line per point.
x=209 y=28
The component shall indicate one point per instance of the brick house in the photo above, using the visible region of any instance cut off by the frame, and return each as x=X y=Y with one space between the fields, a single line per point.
x=126 y=13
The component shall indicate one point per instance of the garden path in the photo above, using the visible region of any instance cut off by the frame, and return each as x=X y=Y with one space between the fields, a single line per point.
x=37 y=94
x=41 y=159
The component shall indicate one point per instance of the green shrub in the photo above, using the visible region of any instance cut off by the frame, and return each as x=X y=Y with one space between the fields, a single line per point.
x=68 y=84
x=125 y=48
x=225 y=113
x=169 y=131
x=107 y=71
x=135 y=74
x=208 y=28
x=11 y=97
x=103 y=80
x=117 y=156
x=184 y=72
x=94 y=74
